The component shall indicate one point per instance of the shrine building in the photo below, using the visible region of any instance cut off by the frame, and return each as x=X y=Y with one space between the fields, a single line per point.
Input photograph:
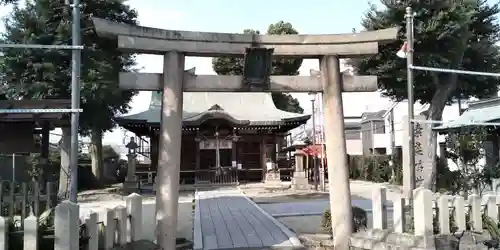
x=227 y=137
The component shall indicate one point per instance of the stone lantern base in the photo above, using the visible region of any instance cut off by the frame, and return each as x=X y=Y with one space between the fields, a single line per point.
x=273 y=179
x=300 y=181
x=131 y=186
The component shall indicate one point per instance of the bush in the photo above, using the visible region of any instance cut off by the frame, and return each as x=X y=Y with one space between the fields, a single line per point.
x=45 y=229
x=45 y=232
x=373 y=168
x=360 y=218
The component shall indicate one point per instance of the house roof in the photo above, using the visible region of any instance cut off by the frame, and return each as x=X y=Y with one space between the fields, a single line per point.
x=352 y=125
x=239 y=108
x=373 y=116
x=480 y=112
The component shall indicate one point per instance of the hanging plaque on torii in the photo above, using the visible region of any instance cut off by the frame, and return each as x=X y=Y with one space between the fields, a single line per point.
x=257 y=66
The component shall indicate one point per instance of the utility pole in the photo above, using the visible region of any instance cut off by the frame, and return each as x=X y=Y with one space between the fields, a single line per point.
x=322 y=140
x=76 y=47
x=75 y=99
x=315 y=166
x=393 y=142
x=409 y=62
x=14 y=168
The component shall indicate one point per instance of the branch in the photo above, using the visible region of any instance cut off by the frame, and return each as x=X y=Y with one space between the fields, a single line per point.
x=435 y=78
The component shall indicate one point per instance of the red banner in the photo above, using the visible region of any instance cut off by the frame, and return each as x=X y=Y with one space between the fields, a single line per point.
x=313 y=150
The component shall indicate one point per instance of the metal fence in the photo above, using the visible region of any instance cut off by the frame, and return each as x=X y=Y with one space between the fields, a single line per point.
x=21 y=199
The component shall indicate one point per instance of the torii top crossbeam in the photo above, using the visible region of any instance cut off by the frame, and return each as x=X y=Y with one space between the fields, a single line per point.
x=154 y=41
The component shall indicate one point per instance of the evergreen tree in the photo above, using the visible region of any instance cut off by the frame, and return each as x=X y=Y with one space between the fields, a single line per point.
x=46 y=74
x=234 y=66
x=448 y=34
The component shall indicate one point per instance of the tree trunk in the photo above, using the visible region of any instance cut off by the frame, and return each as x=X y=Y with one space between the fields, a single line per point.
x=435 y=113
x=95 y=151
x=445 y=86
x=64 y=172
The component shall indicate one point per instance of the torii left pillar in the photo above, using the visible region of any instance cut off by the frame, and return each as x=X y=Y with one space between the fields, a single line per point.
x=168 y=173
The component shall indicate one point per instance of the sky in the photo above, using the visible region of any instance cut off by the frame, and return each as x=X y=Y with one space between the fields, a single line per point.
x=308 y=17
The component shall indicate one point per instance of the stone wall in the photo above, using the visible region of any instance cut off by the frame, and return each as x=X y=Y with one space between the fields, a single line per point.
x=384 y=239
x=429 y=208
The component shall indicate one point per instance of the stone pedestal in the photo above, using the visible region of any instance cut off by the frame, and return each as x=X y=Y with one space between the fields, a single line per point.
x=131 y=186
x=322 y=179
x=421 y=151
x=273 y=179
x=299 y=181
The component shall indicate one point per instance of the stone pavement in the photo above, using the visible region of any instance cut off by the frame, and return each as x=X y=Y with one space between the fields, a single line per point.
x=227 y=219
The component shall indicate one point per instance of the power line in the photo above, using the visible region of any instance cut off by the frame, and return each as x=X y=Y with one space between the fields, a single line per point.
x=40 y=46
x=454 y=71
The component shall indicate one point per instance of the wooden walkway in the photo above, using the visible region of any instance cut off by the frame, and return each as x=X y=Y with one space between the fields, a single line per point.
x=227 y=219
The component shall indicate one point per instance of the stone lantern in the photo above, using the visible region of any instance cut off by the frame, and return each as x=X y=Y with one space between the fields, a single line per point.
x=131 y=180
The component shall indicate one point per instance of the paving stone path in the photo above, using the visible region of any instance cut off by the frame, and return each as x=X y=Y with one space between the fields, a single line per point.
x=227 y=219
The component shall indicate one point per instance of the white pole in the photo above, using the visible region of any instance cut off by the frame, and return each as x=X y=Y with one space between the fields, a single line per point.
x=13 y=168
x=322 y=143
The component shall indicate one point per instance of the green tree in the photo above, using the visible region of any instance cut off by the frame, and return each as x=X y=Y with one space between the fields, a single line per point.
x=46 y=74
x=5 y=2
x=281 y=66
x=448 y=34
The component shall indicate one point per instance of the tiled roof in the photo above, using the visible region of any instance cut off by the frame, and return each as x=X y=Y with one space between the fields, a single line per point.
x=480 y=112
x=371 y=116
x=253 y=108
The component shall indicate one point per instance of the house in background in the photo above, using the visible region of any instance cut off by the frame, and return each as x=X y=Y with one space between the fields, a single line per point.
x=370 y=132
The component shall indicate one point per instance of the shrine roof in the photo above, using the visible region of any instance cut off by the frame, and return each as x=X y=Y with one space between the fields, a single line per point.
x=256 y=109
x=483 y=111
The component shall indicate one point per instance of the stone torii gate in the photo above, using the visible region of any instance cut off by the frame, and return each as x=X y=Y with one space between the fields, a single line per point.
x=175 y=45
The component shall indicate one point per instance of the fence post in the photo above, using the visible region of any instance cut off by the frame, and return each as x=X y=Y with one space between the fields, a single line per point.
x=93 y=231
x=459 y=207
x=12 y=205
x=379 y=209
x=134 y=209
x=423 y=211
x=109 y=228
x=443 y=205
x=36 y=198
x=399 y=215
x=30 y=236
x=4 y=233
x=24 y=202
x=66 y=225
x=48 y=195
x=492 y=208
x=121 y=216
x=476 y=214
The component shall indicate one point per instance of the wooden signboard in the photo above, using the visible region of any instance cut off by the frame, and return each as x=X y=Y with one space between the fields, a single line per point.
x=17 y=138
